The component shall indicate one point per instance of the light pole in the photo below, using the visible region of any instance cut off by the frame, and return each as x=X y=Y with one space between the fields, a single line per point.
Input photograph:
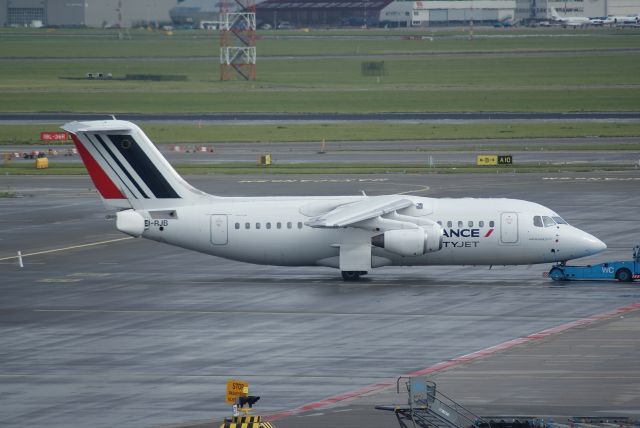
x=364 y=16
x=471 y=23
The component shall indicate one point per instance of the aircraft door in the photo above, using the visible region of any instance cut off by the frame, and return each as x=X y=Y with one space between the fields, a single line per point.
x=509 y=228
x=219 y=234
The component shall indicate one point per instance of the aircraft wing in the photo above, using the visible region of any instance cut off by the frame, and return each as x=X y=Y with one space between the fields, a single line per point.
x=355 y=212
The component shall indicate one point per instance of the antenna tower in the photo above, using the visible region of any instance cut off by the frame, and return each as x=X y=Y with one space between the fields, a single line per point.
x=238 y=39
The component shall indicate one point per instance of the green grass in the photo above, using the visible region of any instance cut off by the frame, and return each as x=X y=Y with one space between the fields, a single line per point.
x=344 y=101
x=324 y=168
x=571 y=73
x=446 y=74
x=375 y=131
x=314 y=133
x=105 y=43
x=604 y=80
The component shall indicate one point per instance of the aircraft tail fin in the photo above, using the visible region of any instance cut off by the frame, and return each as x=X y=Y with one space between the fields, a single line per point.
x=554 y=14
x=127 y=168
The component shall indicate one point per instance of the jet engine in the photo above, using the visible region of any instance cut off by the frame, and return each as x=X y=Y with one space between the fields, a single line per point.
x=410 y=242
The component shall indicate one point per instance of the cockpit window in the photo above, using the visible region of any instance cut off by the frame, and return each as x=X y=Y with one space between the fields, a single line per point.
x=537 y=221
x=560 y=220
x=548 y=221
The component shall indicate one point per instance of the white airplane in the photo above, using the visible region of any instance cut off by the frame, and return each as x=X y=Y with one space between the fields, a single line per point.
x=570 y=21
x=352 y=233
x=622 y=20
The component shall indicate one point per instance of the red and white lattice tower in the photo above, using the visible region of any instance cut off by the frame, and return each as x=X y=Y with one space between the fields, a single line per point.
x=238 y=39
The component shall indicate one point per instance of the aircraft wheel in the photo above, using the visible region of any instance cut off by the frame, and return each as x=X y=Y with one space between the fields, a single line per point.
x=556 y=274
x=349 y=275
x=624 y=275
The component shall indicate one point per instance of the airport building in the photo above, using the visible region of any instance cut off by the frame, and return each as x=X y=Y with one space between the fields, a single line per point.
x=195 y=13
x=438 y=13
x=623 y=7
x=84 y=13
x=383 y=12
x=300 y=13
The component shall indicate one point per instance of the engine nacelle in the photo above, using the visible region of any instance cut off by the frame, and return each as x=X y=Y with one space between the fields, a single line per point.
x=410 y=242
x=434 y=238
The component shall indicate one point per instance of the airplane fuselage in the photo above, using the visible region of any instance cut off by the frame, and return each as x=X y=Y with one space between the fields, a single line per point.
x=273 y=231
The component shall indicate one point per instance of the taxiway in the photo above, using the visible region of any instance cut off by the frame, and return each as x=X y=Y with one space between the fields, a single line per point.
x=128 y=332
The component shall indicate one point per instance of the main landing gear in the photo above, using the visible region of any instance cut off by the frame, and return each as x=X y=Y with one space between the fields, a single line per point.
x=352 y=275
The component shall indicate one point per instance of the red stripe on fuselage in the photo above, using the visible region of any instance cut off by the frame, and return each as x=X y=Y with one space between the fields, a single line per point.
x=100 y=179
x=488 y=233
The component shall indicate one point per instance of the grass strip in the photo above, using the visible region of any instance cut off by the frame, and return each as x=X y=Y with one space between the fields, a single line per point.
x=319 y=168
x=329 y=101
x=315 y=133
x=140 y=43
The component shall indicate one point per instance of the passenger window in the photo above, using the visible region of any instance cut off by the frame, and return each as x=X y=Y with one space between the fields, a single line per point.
x=279 y=225
x=257 y=225
x=537 y=221
x=237 y=225
x=470 y=224
x=289 y=225
x=299 y=225
x=492 y=223
x=449 y=224
x=268 y=225
x=548 y=221
x=460 y=224
x=247 y=226
x=481 y=224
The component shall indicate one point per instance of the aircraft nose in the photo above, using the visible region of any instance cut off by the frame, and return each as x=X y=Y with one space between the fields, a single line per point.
x=593 y=244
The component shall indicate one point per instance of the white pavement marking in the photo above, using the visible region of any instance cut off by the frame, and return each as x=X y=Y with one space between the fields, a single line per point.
x=592 y=178
x=318 y=180
x=56 y=250
x=419 y=190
